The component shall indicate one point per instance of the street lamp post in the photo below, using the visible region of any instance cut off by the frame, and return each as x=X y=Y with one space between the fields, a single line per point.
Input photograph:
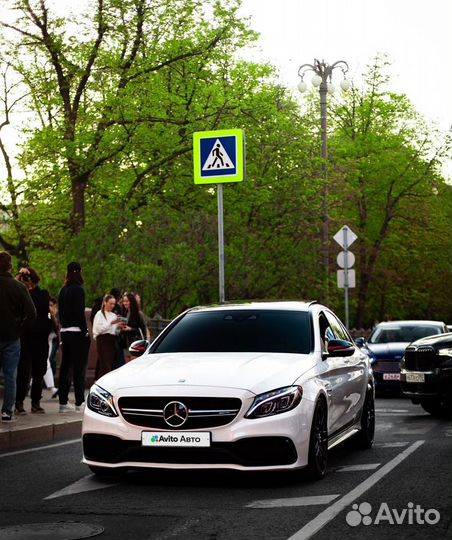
x=322 y=80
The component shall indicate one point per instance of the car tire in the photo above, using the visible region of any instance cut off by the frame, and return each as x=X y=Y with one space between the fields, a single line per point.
x=318 y=442
x=433 y=406
x=365 y=437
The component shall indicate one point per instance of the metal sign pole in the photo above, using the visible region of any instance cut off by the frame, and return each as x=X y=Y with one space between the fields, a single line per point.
x=346 y=275
x=220 y=241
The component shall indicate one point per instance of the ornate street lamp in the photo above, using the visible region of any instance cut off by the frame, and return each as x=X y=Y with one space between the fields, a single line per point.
x=322 y=80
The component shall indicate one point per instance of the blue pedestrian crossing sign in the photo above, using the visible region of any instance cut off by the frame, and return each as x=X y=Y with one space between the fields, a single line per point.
x=218 y=156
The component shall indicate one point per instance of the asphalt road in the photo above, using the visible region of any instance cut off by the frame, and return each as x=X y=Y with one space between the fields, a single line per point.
x=405 y=477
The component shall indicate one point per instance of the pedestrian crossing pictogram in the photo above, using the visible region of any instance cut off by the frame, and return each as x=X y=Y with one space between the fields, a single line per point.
x=218 y=158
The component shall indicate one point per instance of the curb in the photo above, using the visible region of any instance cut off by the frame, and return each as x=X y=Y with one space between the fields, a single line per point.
x=18 y=437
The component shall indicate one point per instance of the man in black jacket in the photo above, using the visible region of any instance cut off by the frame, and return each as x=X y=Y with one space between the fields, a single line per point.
x=34 y=345
x=17 y=314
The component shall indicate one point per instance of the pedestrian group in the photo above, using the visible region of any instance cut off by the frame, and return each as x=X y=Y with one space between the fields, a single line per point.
x=33 y=325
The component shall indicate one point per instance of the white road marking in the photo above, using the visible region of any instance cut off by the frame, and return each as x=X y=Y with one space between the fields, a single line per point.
x=391 y=410
x=293 y=501
x=87 y=483
x=404 y=415
x=392 y=444
x=419 y=430
x=353 y=468
x=17 y=452
x=332 y=511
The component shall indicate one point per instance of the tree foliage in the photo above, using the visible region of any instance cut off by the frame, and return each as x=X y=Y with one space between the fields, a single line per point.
x=113 y=99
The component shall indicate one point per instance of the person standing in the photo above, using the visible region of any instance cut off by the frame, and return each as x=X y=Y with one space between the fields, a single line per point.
x=17 y=314
x=34 y=345
x=135 y=327
x=74 y=338
x=105 y=330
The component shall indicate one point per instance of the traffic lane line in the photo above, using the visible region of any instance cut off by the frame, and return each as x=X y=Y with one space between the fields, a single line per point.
x=38 y=448
x=311 y=528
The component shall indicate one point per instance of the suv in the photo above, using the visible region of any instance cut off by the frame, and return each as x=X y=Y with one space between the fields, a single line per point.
x=426 y=373
x=386 y=346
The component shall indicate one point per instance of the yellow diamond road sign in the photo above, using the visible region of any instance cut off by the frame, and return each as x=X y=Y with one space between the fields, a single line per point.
x=218 y=156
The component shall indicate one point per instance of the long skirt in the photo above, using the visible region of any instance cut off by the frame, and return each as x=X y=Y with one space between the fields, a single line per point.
x=106 y=354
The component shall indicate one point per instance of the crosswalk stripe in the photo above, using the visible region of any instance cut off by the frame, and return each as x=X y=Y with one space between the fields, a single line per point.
x=355 y=468
x=293 y=501
x=400 y=444
x=87 y=483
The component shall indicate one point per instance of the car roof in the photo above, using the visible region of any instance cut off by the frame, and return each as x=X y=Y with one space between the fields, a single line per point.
x=258 y=305
x=409 y=323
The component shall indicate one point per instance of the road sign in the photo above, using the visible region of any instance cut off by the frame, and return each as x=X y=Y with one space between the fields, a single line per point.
x=345 y=237
x=218 y=156
x=341 y=279
x=345 y=259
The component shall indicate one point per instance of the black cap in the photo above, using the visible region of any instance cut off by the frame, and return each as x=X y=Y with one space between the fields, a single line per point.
x=73 y=267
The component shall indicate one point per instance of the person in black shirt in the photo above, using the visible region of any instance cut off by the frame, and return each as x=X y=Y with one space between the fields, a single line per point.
x=74 y=337
x=34 y=345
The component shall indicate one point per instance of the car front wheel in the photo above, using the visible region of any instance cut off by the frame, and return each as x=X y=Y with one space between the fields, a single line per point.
x=367 y=432
x=318 y=442
x=433 y=406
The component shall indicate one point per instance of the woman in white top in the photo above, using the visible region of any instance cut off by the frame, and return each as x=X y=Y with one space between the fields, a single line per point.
x=105 y=328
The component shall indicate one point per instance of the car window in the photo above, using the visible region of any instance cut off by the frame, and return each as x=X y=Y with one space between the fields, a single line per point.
x=337 y=327
x=239 y=331
x=326 y=334
x=402 y=333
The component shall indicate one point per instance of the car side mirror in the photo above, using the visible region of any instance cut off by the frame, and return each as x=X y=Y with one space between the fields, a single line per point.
x=139 y=347
x=360 y=342
x=340 y=347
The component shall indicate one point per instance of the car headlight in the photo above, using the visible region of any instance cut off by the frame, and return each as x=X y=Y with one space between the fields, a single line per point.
x=445 y=352
x=101 y=401
x=275 y=402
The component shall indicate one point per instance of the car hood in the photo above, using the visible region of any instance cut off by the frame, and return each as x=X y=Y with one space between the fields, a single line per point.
x=255 y=372
x=393 y=350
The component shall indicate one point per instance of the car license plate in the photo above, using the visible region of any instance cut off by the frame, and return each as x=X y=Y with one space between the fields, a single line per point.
x=175 y=438
x=415 y=377
x=391 y=376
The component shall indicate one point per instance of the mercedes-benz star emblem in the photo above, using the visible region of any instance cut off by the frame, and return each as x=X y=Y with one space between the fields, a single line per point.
x=175 y=413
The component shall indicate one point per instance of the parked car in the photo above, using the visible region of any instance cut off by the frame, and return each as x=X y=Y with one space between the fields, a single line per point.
x=426 y=373
x=386 y=346
x=253 y=386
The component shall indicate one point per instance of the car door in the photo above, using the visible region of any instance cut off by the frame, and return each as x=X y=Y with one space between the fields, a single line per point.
x=352 y=375
x=333 y=373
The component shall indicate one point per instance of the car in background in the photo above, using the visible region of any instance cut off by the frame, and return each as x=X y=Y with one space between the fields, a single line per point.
x=386 y=346
x=426 y=374
x=252 y=386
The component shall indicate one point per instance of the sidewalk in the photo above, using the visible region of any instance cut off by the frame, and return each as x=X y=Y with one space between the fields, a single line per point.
x=33 y=429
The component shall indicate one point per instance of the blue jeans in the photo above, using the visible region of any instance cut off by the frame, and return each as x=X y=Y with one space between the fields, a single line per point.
x=10 y=351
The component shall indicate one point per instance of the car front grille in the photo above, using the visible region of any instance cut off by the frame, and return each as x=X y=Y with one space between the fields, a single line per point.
x=422 y=358
x=386 y=366
x=248 y=452
x=203 y=412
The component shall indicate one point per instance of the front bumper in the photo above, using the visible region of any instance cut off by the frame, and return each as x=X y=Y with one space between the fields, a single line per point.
x=436 y=384
x=277 y=442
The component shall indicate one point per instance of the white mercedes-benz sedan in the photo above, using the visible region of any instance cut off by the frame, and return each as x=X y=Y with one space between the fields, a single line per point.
x=252 y=386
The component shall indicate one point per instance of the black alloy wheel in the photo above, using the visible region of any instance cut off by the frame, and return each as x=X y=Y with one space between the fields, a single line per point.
x=367 y=433
x=318 y=442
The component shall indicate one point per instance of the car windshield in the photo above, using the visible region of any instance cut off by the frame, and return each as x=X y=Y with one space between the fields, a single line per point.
x=402 y=333
x=239 y=331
